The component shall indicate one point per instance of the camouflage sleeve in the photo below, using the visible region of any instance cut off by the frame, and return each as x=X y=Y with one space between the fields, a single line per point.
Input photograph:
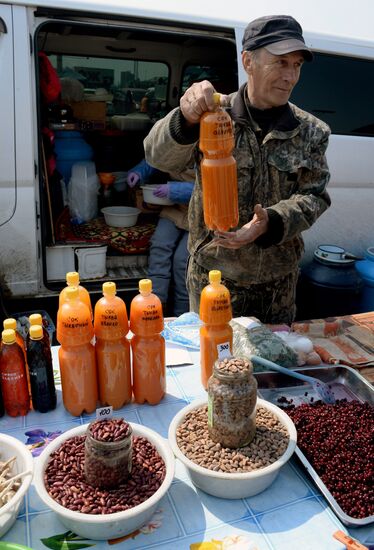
x=311 y=199
x=164 y=152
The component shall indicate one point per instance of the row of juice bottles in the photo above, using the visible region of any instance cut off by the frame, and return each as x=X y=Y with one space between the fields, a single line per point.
x=94 y=355
x=26 y=370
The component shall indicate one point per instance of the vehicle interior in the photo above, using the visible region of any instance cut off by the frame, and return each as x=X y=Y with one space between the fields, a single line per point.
x=117 y=80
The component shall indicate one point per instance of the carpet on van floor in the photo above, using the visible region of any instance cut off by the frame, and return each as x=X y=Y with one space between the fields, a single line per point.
x=128 y=240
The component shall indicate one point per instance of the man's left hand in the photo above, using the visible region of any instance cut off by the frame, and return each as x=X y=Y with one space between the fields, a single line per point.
x=246 y=234
x=162 y=191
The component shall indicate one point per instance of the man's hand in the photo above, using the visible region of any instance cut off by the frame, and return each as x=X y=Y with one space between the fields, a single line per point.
x=197 y=100
x=246 y=234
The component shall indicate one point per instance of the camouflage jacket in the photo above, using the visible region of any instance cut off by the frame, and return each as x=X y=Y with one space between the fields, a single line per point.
x=287 y=174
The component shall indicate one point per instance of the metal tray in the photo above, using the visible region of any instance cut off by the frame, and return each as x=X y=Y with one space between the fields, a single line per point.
x=345 y=383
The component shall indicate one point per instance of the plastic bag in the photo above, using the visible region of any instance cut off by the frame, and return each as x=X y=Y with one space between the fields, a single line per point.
x=185 y=330
x=251 y=337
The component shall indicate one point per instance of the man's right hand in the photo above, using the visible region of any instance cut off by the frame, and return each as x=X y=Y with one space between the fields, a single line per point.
x=197 y=100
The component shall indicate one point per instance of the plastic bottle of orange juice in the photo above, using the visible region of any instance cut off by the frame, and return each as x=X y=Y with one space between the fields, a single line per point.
x=148 y=345
x=72 y=279
x=218 y=170
x=13 y=375
x=216 y=333
x=76 y=355
x=112 y=348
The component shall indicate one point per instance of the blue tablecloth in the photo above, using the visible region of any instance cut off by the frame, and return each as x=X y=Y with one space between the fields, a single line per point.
x=290 y=514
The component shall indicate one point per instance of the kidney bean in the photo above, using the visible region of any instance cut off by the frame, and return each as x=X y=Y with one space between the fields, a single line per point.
x=143 y=482
x=338 y=442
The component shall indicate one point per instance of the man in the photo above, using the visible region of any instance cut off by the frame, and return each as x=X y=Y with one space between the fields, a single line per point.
x=282 y=174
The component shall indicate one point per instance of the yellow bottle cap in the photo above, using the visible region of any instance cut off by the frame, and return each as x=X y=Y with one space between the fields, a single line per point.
x=36 y=319
x=215 y=276
x=145 y=285
x=8 y=336
x=72 y=292
x=36 y=332
x=109 y=288
x=217 y=98
x=72 y=278
x=10 y=323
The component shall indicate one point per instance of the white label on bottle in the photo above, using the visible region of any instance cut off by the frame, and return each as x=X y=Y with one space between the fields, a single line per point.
x=104 y=412
x=224 y=350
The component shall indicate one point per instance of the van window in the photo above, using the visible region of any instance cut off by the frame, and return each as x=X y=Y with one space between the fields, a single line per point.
x=224 y=78
x=338 y=90
x=131 y=85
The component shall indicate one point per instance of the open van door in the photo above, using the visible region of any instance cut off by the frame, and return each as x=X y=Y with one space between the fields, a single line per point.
x=7 y=143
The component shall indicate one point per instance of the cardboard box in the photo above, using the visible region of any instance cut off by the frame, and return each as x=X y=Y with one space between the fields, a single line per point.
x=91 y=111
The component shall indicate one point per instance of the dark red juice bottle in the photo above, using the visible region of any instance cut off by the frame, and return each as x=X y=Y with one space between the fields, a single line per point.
x=13 y=376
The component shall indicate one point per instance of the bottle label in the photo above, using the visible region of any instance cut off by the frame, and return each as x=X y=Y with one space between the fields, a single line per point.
x=221 y=303
x=12 y=376
x=152 y=313
x=223 y=350
x=104 y=413
x=210 y=411
x=109 y=318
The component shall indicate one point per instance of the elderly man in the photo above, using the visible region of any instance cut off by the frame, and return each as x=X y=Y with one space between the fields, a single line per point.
x=282 y=174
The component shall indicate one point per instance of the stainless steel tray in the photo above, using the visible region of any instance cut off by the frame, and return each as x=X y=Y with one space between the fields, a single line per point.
x=345 y=382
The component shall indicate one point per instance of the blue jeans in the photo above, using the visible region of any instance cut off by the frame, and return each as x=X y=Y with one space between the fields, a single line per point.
x=168 y=260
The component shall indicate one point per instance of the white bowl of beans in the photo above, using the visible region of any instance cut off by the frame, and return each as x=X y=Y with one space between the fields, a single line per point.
x=16 y=469
x=99 y=513
x=232 y=473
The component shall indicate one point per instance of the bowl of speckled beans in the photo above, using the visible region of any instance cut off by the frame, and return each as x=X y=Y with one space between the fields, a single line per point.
x=70 y=477
x=226 y=472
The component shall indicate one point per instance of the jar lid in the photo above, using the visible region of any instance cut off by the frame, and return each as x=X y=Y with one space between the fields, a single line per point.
x=331 y=254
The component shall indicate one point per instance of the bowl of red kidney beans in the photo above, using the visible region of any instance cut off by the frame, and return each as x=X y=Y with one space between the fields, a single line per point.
x=91 y=510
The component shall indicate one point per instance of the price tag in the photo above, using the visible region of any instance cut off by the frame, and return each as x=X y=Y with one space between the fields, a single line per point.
x=224 y=350
x=104 y=413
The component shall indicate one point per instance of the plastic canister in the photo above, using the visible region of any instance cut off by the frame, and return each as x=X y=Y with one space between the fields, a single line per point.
x=83 y=192
x=329 y=285
x=70 y=147
x=365 y=269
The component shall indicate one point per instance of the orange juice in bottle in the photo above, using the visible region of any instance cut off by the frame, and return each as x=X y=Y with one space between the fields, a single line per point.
x=112 y=348
x=216 y=332
x=72 y=279
x=148 y=345
x=13 y=378
x=218 y=170
x=76 y=355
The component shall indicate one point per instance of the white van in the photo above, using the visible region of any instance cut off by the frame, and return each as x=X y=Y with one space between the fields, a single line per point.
x=116 y=52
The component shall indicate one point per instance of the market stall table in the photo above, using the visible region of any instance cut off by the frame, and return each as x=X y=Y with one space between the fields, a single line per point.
x=291 y=514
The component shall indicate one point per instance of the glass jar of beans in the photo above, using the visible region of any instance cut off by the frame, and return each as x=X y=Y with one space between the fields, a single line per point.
x=108 y=453
x=232 y=396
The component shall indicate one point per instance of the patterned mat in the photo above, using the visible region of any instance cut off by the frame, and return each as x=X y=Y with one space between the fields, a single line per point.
x=128 y=240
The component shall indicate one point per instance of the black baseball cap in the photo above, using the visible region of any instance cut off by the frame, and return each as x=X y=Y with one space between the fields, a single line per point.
x=279 y=34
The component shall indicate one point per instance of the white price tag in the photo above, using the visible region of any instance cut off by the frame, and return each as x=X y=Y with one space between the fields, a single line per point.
x=104 y=413
x=224 y=350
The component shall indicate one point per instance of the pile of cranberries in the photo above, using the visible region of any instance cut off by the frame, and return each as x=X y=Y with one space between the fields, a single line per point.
x=338 y=440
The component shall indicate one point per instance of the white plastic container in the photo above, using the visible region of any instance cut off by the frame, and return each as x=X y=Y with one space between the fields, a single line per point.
x=10 y=446
x=106 y=526
x=60 y=260
x=226 y=484
x=91 y=262
x=149 y=197
x=120 y=216
x=83 y=192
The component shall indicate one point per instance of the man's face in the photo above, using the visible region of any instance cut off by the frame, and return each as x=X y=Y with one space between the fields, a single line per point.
x=272 y=77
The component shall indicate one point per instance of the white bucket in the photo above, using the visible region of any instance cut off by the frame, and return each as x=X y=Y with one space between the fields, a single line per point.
x=91 y=262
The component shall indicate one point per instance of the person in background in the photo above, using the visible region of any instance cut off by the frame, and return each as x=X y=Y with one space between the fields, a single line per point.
x=282 y=174
x=168 y=251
